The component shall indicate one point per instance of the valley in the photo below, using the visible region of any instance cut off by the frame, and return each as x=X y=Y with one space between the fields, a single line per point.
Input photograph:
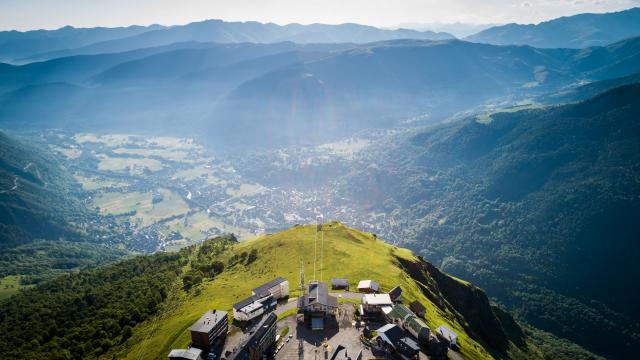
x=167 y=193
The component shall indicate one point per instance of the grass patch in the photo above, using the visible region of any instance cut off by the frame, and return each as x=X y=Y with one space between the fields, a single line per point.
x=10 y=285
x=116 y=203
x=172 y=204
x=134 y=166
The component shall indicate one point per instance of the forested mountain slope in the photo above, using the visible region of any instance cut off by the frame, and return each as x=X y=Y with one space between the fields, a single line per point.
x=37 y=195
x=538 y=206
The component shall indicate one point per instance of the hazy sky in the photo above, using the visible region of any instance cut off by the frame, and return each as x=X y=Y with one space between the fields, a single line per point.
x=49 y=14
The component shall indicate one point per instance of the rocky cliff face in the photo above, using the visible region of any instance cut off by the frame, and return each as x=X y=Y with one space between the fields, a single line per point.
x=469 y=304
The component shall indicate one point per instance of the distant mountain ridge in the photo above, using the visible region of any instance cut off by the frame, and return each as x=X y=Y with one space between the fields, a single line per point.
x=319 y=91
x=578 y=31
x=16 y=45
x=105 y=40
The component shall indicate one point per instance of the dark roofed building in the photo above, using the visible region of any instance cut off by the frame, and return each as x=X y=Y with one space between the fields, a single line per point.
x=278 y=287
x=254 y=306
x=318 y=304
x=261 y=338
x=396 y=294
x=418 y=308
x=393 y=340
x=210 y=330
x=339 y=284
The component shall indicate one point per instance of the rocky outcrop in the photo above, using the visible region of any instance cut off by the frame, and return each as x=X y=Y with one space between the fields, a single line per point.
x=482 y=321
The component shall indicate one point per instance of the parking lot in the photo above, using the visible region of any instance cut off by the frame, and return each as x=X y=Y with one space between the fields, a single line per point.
x=308 y=344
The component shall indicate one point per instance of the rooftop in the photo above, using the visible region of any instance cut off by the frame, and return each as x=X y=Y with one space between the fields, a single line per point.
x=377 y=299
x=368 y=284
x=318 y=293
x=339 y=282
x=417 y=306
x=391 y=333
x=209 y=320
x=402 y=311
x=446 y=332
x=244 y=302
x=256 y=334
x=395 y=292
x=192 y=354
x=265 y=287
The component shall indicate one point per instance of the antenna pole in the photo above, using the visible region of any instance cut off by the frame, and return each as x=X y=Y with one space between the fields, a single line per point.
x=321 y=251
x=315 y=251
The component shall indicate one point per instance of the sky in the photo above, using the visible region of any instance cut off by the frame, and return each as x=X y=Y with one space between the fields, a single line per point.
x=52 y=14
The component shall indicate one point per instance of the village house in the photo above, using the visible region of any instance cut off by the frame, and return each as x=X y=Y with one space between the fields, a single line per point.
x=317 y=304
x=368 y=286
x=339 y=284
x=396 y=294
x=402 y=316
x=391 y=339
x=418 y=308
x=373 y=303
x=447 y=334
x=210 y=330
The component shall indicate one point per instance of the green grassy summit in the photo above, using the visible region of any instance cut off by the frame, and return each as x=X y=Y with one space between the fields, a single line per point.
x=348 y=253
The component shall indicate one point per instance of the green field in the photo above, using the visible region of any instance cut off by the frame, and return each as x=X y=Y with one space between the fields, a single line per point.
x=91 y=184
x=172 y=204
x=193 y=226
x=199 y=172
x=9 y=285
x=116 y=203
x=134 y=166
x=245 y=190
x=279 y=255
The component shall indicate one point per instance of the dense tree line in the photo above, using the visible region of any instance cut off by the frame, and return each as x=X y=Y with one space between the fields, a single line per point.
x=41 y=260
x=82 y=315
x=207 y=263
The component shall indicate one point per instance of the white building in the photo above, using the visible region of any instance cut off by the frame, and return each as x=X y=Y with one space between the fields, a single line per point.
x=375 y=302
x=278 y=287
x=253 y=306
x=368 y=286
x=448 y=334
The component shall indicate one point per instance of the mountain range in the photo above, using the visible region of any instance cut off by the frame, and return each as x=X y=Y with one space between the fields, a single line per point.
x=577 y=31
x=319 y=90
x=43 y=45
